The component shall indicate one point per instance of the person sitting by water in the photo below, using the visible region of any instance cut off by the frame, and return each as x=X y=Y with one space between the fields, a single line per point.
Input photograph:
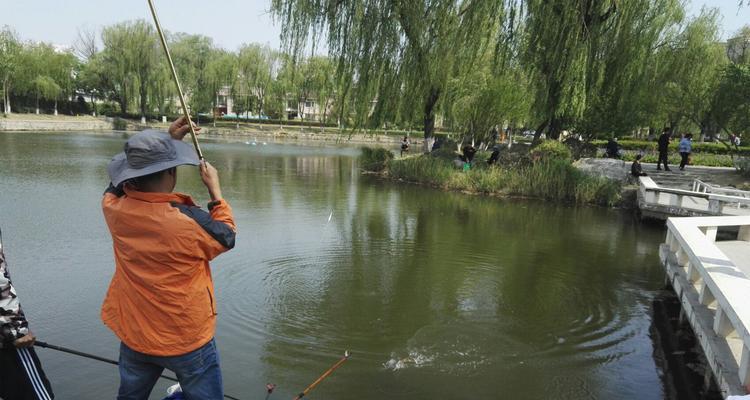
x=613 y=148
x=21 y=374
x=495 y=155
x=636 y=169
x=468 y=153
x=405 y=146
x=437 y=144
x=161 y=302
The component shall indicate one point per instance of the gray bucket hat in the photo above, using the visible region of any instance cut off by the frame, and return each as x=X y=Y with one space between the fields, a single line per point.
x=148 y=152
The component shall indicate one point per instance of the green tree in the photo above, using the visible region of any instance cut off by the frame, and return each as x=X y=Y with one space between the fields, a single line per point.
x=692 y=65
x=397 y=53
x=221 y=74
x=45 y=87
x=257 y=68
x=130 y=59
x=10 y=48
x=192 y=55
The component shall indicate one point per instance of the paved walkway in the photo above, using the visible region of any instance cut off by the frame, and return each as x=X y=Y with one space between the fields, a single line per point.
x=676 y=179
x=738 y=252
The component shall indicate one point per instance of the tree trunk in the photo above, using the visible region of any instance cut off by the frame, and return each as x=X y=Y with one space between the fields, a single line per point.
x=37 y=105
x=6 y=98
x=555 y=128
x=539 y=130
x=144 y=99
x=429 y=117
x=93 y=105
x=55 y=107
x=123 y=104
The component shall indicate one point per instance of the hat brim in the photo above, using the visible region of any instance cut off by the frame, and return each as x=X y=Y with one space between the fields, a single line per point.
x=120 y=171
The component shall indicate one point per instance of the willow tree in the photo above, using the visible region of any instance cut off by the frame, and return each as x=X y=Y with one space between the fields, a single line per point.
x=130 y=58
x=693 y=62
x=393 y=57
x=257 y=69
x=623 y=70
x=10 y=48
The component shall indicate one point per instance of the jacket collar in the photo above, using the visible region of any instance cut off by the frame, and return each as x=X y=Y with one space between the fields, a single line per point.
x=153 y=197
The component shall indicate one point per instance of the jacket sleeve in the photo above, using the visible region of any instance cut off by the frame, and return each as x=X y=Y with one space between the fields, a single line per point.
x=13 y=324
x=218 y=224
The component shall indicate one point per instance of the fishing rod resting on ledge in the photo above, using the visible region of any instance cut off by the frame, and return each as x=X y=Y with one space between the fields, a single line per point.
x=185 y=111
x=269 y=387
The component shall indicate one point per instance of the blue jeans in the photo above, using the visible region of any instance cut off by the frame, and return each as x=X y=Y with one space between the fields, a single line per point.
x=198 y=372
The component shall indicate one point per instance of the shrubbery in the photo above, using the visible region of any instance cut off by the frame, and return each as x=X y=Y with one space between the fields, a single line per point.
x=551 y=150
x=375 y=159
x=552 y=177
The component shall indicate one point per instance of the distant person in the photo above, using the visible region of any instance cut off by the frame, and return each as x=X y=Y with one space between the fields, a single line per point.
x=21 y=374
x=613 y=148
x=734 y=140
x=469 y=151
x=685 y=148
x=635 y=169
x=405 y=146
x=437 y=144
x=664 y=138
x=495 y=155
x=495 y=134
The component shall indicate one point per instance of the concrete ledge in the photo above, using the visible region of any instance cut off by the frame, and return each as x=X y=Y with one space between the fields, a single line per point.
x=55 y=125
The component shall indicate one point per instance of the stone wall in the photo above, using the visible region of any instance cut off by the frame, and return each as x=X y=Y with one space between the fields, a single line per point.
x=9 y=124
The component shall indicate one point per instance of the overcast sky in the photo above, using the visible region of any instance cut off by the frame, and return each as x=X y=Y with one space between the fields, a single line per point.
x=229 y=22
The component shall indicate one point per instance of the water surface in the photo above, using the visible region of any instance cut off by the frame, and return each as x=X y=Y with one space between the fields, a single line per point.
x=438 y=295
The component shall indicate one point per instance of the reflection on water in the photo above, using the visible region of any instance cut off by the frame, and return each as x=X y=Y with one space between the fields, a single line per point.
x=438 y=295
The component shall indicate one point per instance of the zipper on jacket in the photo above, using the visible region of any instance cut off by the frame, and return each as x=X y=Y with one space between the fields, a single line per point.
x=211 y=301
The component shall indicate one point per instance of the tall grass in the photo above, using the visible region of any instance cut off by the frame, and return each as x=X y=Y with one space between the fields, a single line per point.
x=375 y=159
x=551 y=179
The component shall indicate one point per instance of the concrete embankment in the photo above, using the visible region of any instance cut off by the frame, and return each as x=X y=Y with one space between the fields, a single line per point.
x=25 y=122
x=55 y=124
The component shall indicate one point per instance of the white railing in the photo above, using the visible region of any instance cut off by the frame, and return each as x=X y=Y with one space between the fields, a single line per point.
x=714 y=292
x=704 y=187
x=682 y=201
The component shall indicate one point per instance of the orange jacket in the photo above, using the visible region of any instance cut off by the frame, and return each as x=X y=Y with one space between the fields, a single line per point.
x=161 y=299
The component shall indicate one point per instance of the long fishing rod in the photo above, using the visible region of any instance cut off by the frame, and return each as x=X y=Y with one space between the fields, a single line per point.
x=176 y=81
x=324 y=376
x=102 y=359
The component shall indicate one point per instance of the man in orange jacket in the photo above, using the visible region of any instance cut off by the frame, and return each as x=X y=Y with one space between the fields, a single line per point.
x=161 y=301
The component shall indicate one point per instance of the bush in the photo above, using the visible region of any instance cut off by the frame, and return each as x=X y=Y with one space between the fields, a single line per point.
x=425 y=169
x=743 y=165
x=375 y=159
x=549 y=178
x=551 y=150
x=119 y=124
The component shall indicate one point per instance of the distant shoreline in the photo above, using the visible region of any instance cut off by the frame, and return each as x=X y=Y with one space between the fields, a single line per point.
x=61 y=123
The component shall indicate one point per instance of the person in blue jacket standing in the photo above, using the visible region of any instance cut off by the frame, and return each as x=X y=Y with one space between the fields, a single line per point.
x=685 y=148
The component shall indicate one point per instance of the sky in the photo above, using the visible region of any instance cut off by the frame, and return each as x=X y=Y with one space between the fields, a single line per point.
x=229 y=22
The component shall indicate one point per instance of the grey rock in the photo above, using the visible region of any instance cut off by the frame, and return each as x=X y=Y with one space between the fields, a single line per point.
x=611 y=168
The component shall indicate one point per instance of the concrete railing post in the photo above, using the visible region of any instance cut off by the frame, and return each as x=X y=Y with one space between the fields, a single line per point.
x=706 y=297
x=710 y=232
x=744 y=370
x=676 y=200
x=722 y=325
x=744 y=233
x=714 y=206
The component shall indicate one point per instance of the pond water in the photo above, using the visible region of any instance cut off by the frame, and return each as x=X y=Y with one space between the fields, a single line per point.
x=438 y=295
